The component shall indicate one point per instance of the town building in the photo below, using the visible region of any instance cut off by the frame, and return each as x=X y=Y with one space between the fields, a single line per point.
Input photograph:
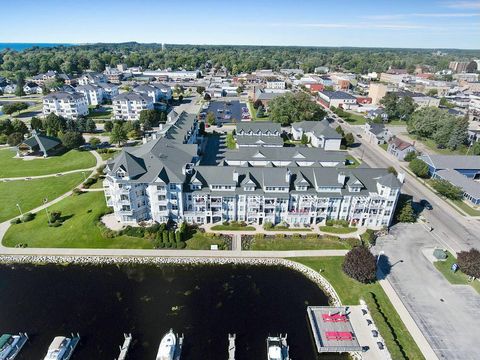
x=40 y=79
x=377 y=91
x=319 y=133
x=32 y=88
x=377 y=133
x=463 y=66
x=420 y=99
x=337 y=99
x=258 y=134
x=470 y=188
x=109 y=90
x=91 y=78
x=156 y=91
x=399 y=148
x=127 y=106
x=68 y=105
x=467 y=165
x=92 y=92
x=276 y=84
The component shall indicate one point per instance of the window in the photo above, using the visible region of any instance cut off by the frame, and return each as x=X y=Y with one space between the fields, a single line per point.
x=173 y=186
x=174 y=207
x=123 y=197
x=393 y=192
x=160 y=188
x=162 y=208
x=389 y=203
x=161 y=197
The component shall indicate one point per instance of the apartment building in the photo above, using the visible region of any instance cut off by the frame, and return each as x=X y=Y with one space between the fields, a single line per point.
x=68 y=105
x=93 y=93
x=319 y=133
x=156 y=91
x=276 y=84
x=127 y=106
x=258 y=134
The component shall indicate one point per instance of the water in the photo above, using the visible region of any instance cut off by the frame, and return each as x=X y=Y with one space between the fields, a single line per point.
x=205 y=303
x=23 y=46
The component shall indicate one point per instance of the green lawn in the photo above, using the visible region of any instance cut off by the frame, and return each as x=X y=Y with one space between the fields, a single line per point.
x=230 y=141
x=397 y=122
x=285 y=228
x=297 y=243
x=384 y=146
x=466 y=208
x=36 y=107
x=397 y=338
x=355 y=119
x=29 y=194
x=100 y=115
x=432 y=146
x=111 y=154
x=354 y=162
x=78 y=231
x=337 y=229
x=200 y=241
x=71 y=160
x=233 y=227
x=458 y=277
x=253 y=113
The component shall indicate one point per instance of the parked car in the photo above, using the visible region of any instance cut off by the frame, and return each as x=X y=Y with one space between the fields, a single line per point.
x=364 y=311
x=360 y=136
x=426 y=205
x=374 y=333
x=380 y=345
x=369 y=322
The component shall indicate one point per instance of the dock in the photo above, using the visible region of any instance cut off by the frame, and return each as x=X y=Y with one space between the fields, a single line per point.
x=73 y=344
x=125 y=347
x=332 y=329
x=231 y=346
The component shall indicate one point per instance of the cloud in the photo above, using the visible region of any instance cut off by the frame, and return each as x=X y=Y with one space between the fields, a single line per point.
x=420 y=15
x=462 y=4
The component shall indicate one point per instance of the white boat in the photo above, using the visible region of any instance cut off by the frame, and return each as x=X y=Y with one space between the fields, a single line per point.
x=62 y=348
x=10 y=345
x=277 y=348
x=170 y=347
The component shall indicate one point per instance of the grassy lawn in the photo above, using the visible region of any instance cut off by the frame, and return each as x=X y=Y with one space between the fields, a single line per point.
x=355 y=119
x=397 y=122
x=354 y=162
x=397 y=338
x=36 y=107
x=432 y=146
x=337 y=229
x=384 y=146
x=294 y=243
x=78 y=231
x=465 y=207
x=109 y=155
x=253 y=113
x=29 y=194
x=100 y=115
x=71 y=160
x=284 y=228
x=200 y=241
x=233 y=227
x=456 y=278
x=230 y=141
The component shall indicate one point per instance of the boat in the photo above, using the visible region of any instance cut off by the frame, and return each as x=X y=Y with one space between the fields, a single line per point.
x=277 y=348
x=62 y=347
x=170 y=347
x=10 y=345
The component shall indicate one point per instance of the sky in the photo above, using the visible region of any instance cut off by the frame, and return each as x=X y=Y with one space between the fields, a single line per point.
x=369 y=23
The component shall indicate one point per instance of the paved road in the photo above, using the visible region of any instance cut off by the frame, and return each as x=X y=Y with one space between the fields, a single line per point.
x=448 y=315
x=453 y=230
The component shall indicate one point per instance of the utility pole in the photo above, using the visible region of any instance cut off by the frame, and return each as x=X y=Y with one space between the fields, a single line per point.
x=20 y=209
x=45 y=201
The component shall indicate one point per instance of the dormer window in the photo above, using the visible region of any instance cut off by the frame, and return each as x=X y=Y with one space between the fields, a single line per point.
x=249 y=188
x=121 y=174
x=301 y=188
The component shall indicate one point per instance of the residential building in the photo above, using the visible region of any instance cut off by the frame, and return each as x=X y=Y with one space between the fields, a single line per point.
x=267 y=95
x=399 y=148
x=68 y=105
x=91 y=78
x=92 y=92
x=321 y=70
x=337 y=99
x=32 y=88
x=377 y=133
x=466 y=165
x=10 y=89
x=127 y=106
x=113 y=75
x=470 y=188
x=173 y=75
x=258 y=134
x=372 y=114
x=420 y=99
x=319 y=133
x=376 y=91
x=467 y=77
x=393 y=78
x=109 y=90
x=39 y=145
x=40 y=79
x=156 y=91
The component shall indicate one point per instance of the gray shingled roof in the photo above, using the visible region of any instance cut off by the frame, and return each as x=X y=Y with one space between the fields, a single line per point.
x=469 y=186
x=453 y=161
x=318 y=128
x=250 y=140
x=338 y=95
x=61 y=95
x=259 y=126
x=131 y=96
x=42 y=142
x=285 y=153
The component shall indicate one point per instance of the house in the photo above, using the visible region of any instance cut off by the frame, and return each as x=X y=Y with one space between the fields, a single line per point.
x=113 y=75
x=399 y=148
x=40 y=79
x=39 y=145
x=258 y=134
x=372 y=114
x=156 y=91
x=68 y=105
x=470 y=188
x=319 y=133
x=10 y=89
x=32 y=88
x=337 y=99
x=466 y=165
x=377 y=133
x=127 y=106
x=93 y=93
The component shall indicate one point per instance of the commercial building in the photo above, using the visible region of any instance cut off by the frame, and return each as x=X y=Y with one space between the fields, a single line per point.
x=338 y=99
x=377 y=91
x=68 y=105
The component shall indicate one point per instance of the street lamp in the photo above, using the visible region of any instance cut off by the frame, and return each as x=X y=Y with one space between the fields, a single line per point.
x=45 y=201
x=20 y=209
x=84 y=177
x=380 y=254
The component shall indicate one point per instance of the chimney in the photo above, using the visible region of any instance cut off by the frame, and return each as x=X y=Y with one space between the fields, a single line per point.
x=235 y=176
x=341 y=178
x=401 y=177
x=288 y=175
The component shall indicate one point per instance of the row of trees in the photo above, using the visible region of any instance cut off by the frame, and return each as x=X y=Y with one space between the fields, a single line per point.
x=76 y=59
x=292 y=107
x=398 y=108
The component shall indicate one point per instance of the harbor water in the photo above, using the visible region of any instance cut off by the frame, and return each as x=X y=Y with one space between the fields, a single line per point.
x=205 y=303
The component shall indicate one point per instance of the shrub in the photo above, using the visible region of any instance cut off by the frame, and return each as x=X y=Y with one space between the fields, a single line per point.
x=445 y=188
x=77 y=191
x=15 y=221
x=368 y=237
x=329 y=222
x=3 y=139
x=411 y=155
x=419 y=168
x=352 y=242
x=406 y=213
x=28 y=217
x=360 y=264
x=56 y=223
x=267 y=225
x=181 y=245
x=89 y=182
x=469 y=262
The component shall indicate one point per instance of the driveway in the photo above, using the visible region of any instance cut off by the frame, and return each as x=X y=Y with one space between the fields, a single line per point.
x=448 y=315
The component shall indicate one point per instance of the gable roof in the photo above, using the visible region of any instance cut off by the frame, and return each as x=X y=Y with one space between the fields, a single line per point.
x=467 y=162
x=318 y=128
x=43 y=142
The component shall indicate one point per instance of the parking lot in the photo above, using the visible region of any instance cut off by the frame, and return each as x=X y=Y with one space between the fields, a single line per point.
x=226 y=111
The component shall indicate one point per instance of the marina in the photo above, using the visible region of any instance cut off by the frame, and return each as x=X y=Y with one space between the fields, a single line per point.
x=10 y=345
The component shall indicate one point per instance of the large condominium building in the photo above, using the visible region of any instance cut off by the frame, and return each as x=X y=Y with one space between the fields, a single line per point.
x=127 y=106
x=92 y=92
x=156 y=91
x=68 y=105
x=163 y=180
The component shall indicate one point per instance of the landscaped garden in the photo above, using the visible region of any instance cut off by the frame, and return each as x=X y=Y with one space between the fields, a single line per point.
x=457 y=277
x=397 y=338
x=71 y=160
x=296 y=242
x=29 y=194
x=337 y=227
x=233 y=226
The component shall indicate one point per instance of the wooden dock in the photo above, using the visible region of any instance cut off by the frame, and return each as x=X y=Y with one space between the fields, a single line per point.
x=125 y=347
x=231 y=347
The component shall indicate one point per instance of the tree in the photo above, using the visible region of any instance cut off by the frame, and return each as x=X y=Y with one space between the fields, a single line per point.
x=392 y=170
x=432 y=92
x=304 y=140
x=459 y=134
x=390 y=102
x=207 y=97
x=11 y=108
x=410 y=156
x=406 y=213
x=6 y=127
x=95 y=141
x=469 y=262
x=210 y=118
x=257 y=104
x=349 y=139
x=339 y=130
x=133 y=134
x=151 y=118
x=200 y=90
x=36 y=123
x=405 y=107
x=20 y=84
x=291 y=107
x=260 y=112
x=419 y=168
x=445 y=188
x=201 y=127
x=90 y=126
x=14 y=139
x=54 y=124
x=72 y=139
x=360 y=264
x=118 y=134
x=19 y=126
x=108 y=126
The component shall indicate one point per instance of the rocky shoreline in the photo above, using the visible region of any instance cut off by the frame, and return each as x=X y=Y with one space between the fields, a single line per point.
x=311 y=274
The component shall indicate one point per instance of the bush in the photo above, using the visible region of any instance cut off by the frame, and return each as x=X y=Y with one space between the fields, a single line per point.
x=406 y=213
x=77 y=191
x=411 y=155
x=15 y=221
x=419 y=168
x=368 y=237
x=28 y=217
x=89 y=182
x=360 y=264
x=56 y=223
x=3 y=139
x=445 y=188
x=469 y=262
x=329 y=222
x=352 y=242
x=268 y=225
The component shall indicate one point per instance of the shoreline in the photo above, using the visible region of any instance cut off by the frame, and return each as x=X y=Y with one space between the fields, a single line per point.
x=309 y=273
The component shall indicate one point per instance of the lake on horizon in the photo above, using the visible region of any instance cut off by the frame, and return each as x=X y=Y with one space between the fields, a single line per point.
x=205 y=303
x=23 y=46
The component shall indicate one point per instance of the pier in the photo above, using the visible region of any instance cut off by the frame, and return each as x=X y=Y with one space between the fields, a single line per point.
x=231 y=347
x=125 y=347
x=332 y=329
